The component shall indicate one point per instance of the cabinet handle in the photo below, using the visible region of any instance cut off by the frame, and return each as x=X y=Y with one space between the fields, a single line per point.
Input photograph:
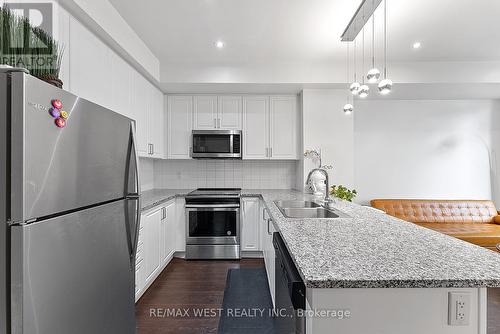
x=270 y=152
x=152 y=149
x=215 y=123
x=268 y=221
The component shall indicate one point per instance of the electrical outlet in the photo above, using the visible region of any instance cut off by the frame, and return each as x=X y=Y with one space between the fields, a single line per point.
x=459 y=308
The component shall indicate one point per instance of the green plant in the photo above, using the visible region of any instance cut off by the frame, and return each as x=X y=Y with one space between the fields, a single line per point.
x=29 y=47
x=343 y=193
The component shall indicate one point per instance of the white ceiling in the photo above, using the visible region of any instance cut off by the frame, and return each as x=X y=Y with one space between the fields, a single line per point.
x=268 y=32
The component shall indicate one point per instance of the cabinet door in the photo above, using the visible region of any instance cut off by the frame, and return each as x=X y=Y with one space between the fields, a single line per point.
x=179 y=125
x=90 y=65
x=171 y=228
x=229 y=112
x=250 y=224
x=163 y=237
x=140 y=263
x=269 y=254
x=121 y=85
x=157 y=123
x=284 y=122
x=255 y=127
x=141 y=106
x=205 y=112
x=152 y=244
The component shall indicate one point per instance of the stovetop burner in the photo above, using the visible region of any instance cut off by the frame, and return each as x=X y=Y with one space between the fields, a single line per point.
x=212 y=192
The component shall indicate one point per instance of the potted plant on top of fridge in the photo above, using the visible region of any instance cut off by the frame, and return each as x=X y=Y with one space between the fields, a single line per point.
x=23 y=45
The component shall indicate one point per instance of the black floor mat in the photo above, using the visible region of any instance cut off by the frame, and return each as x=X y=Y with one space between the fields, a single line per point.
x=247 y=303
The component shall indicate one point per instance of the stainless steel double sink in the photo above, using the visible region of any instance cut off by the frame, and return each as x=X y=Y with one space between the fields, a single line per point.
x=308 y=209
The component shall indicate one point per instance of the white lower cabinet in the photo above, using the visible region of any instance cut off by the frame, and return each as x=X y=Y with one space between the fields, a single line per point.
x=152 y=226
x=250 y=222
x=267 y=230
x=156 y=245
x=167 y=235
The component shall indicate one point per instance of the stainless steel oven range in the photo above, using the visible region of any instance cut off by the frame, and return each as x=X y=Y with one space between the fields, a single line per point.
x=213 y=223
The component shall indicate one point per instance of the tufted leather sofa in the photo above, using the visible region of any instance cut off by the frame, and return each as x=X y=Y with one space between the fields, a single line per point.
x=477 y=222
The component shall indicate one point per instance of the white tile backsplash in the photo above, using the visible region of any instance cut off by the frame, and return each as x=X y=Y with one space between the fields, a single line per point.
x=180 y=174
x=146 y=170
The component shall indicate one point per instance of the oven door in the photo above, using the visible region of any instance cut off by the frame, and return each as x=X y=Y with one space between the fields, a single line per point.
x=216 y=144
x=212 y=224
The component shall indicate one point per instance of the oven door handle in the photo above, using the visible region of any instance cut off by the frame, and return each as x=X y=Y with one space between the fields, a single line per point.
x=203 y=206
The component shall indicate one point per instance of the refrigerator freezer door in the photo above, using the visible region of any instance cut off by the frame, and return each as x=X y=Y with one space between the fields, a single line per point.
x=54 y=169
x=72 y=274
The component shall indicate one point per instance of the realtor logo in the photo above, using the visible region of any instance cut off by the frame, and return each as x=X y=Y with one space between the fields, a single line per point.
x=40 y=16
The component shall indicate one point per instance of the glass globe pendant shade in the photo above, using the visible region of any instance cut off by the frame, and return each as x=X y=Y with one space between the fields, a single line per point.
x=385 y=86
x=373 y=75
x=348 y=108
x=363 y=91
x=354 y=88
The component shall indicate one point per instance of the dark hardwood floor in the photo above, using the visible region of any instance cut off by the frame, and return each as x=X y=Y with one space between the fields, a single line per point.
x=190 y=285
x=187 y=285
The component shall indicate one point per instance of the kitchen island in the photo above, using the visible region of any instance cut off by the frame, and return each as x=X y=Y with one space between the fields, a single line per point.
x=384 y=275
x=391 y=276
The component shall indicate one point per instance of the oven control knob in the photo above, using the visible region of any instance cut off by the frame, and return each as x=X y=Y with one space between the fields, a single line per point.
x=228 y=232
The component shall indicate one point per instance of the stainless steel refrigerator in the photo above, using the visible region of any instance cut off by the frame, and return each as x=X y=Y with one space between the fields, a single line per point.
x=70 y=212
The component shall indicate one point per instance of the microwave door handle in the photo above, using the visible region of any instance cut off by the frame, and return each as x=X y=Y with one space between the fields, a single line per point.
x=231 y=144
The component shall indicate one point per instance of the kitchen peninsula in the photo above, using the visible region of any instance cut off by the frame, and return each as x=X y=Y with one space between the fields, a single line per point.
x=376 y=267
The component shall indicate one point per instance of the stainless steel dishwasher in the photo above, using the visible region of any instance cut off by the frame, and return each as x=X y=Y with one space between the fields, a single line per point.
x=290 y=293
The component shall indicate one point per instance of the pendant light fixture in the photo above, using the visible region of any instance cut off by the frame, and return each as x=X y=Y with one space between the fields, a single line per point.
x=354 y=88
x=385 y=86
x=364 y=89
x=374 y=73
x=348 y=107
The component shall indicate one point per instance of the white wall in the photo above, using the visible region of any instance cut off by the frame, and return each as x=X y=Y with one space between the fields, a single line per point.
x=424 y=149
x=326 y=127
x=182 y=174
x=495 y=156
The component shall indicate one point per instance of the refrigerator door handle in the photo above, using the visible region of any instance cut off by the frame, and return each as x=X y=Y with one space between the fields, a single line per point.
x=136 y=194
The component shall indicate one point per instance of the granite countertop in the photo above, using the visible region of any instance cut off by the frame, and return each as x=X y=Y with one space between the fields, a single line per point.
x=154 y=197
x=375 y=250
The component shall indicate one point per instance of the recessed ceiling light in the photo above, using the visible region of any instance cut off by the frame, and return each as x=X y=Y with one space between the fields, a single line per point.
x=417 y=45
x=219 y=44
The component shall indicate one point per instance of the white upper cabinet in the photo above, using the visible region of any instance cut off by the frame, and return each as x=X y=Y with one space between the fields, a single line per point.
x=148 y=112
x=121 y=86
x=90 y=66
x=284 y=123
x=157 y=124
x=217 y=112
x=229 y=112
x=140 y=106
x=270 y=127
x=205 y=112
x=255 y=127
x=179 y=126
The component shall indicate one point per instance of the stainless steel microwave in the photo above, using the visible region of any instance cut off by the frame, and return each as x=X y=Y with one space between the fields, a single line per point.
x=216 y=144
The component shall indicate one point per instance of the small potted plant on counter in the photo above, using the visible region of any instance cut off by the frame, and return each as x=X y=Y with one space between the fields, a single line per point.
x=343 y=193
